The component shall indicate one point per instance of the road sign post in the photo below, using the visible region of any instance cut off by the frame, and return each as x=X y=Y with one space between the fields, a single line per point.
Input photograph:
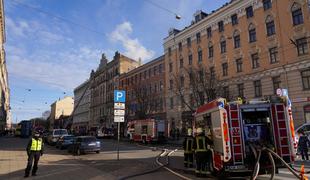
x=119 y=112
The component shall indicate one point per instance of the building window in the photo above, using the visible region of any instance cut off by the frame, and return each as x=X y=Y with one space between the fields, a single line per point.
x=170 y=67
x=171 y=84
x=258 y=88
x=252 y=33
x=171 y=103
x=160 y=68
x=211 y=51
x=225 y=69
x=249 y=12
x=226 y=92
x=182 y=81
x=276 y=81
x=155 y=70
x=305 y=75
x=199 y=55
x=255 y=60
x=190 y=59
x=180 y=46
x=221 y=26
x=297 y=14
x=209 y=32
x=169 y=51
x=198 y=38
x=240 y=90
x=267 y=4
x=273 y=53
x=212 y=73
x=189 y=42
x=150 y=72
x=237 y=41
x=223 y=46
x=181 y=63
x=234 y=19
x=302 y=46
x=270 y=27
x=239 y=65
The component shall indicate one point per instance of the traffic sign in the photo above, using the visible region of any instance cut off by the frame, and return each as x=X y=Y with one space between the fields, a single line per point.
x=119 y=105
x=119 y=119
x=119 y=112
x=119 y=96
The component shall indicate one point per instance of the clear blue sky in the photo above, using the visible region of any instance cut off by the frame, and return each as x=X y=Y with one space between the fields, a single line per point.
x=51 y=56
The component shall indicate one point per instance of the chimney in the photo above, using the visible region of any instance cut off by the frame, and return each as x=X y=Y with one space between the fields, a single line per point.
x=140 y=61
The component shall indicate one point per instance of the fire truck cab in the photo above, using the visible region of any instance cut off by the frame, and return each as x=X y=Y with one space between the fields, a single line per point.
x=235 y=127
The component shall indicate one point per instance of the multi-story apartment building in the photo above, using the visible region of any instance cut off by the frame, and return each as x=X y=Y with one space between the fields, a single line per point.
x=145 y=88
x=251 y=47
x=81 y=113
x=103 y=82
x=5 y=115
x=60 y=110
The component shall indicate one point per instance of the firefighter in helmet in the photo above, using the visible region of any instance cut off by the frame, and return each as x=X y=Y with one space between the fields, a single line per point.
x=34 y=151
x=188 y=149
x=202 y=154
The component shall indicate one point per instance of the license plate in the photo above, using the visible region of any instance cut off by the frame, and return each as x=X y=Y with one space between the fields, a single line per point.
x=92 y=144
x=236 y=167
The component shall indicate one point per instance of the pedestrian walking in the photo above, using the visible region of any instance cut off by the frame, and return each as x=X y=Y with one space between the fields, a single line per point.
x=202 y=153
x=178 y=134
x=303 y=144
x=188 y=149
x=34 y=151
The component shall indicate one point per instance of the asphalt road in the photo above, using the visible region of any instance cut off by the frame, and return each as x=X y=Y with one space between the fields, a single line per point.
x=58 y=164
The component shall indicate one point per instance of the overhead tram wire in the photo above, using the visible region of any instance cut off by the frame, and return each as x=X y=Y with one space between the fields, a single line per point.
x=177 y=16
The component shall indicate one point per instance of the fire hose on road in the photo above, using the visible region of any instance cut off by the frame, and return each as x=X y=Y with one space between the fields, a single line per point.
x=271 y=154
x=164 y=153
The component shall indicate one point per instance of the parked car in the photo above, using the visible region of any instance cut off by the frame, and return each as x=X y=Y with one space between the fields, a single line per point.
x=64 y=141
x=55 y=135
x=83 y=144
x=105 y=133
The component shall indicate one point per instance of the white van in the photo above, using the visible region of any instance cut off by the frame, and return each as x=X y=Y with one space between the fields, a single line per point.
x=55 y=135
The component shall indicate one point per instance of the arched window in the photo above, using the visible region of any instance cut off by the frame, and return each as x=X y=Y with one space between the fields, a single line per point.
x=270 y=26
x=252 y=33
x=236 y=36
x=297 y=14
x=210 y=50
x=223 y=44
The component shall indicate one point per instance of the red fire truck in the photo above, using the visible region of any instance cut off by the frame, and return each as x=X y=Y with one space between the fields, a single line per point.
x=146 y=130
x=235 y=127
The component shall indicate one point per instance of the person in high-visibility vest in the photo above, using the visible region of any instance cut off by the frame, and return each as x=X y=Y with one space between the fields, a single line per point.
x=34 y=151
x=188 y=149
x=202 y=153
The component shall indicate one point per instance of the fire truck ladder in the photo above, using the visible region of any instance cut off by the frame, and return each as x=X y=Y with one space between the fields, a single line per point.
x=236 y=134
x=279 y=110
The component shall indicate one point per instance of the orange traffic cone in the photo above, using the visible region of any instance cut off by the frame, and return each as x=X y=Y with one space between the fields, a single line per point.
x=302 y=173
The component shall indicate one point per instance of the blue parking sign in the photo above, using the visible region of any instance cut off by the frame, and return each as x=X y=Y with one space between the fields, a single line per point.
x=119 y=96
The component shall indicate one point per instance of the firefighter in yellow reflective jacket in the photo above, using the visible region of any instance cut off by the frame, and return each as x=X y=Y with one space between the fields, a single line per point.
x=34 y=151
x=188 y=149
x=202 y=153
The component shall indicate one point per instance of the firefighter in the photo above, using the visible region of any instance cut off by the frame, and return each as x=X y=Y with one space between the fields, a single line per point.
x=34 y=151
x=303 y=144
x=202 y=153
x=188 y=149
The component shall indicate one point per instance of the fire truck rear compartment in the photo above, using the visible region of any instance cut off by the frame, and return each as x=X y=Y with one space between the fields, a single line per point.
x=257 y=132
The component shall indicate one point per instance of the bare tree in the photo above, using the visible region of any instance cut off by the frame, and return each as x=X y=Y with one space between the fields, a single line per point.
x=144 y=100
x=204 y=86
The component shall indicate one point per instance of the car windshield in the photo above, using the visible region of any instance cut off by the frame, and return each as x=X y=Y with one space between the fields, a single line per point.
x=89 y=139
x=60 y=132
x=68 y=137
